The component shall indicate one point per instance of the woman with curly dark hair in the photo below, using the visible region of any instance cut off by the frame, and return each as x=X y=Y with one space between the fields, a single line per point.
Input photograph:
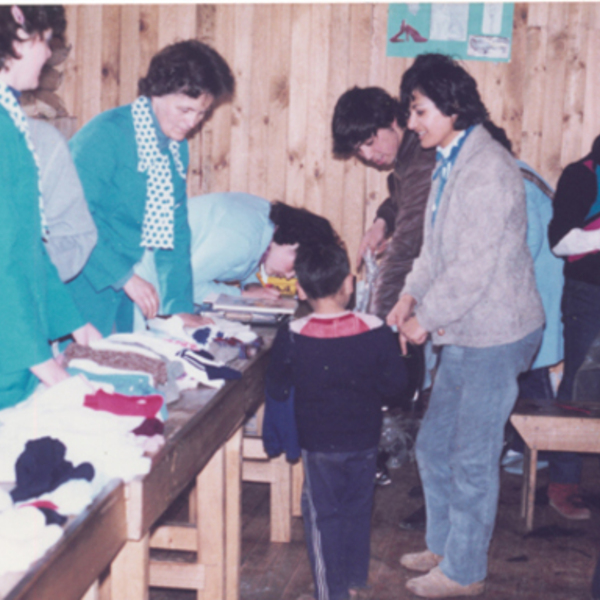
x=35 y=305
x=473 y=290
x=132 y=162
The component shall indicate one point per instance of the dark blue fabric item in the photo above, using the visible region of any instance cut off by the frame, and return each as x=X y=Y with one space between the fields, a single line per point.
x=42 y=467
x=201 y=335
x=222 y=372
x=52 y=517
x=279 y=432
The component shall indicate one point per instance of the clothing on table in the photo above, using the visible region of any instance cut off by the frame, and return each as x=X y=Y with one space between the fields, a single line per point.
x=35 y=304
x=403 y=213
x=72 y=232
x=42 y=468
x=340 y=368
x=108 y=162
x=129 y=361
x=475 y=289
x=231 y=232
x=119 y=404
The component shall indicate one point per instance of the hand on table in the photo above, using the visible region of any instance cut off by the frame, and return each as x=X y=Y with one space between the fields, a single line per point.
x=255 y=290
x=86 y=334
x=194 y=321
x=49 y=372
x=144 y=295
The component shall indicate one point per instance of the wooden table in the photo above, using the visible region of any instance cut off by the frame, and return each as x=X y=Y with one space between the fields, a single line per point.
x=203 y=436
x=90 y=542
x=556 y=429
x=203 y=444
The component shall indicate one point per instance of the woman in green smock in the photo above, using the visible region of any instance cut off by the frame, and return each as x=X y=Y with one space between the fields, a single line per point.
x=35 y=306
x=132 y=162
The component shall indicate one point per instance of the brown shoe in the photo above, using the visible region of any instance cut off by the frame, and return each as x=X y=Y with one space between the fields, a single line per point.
x=565 y=499
x=421 y=561
x=436 y=585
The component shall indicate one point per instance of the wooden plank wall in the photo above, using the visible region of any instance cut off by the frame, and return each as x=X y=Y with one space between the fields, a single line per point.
x=291 y=63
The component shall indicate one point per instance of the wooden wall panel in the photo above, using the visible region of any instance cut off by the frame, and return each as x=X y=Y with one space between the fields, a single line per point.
x=293 y=61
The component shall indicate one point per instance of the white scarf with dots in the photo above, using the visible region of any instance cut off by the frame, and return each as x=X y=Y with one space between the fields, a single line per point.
x=157 y=228
x=10 y=104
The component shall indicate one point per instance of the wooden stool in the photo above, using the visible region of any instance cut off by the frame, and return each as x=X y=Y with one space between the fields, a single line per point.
x=284 y=479
x=549 y=430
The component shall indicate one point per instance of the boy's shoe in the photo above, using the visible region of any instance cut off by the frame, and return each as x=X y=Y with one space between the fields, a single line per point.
x=565 y=499
x=420 y=561
x=437 y=585
x=382 y=477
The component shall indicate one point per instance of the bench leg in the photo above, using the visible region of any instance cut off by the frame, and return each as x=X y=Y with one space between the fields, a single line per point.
x=129 y=572
x=528 y=488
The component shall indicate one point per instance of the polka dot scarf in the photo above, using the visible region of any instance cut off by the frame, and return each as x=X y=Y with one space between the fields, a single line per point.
x=157 y=228
x=10 y=104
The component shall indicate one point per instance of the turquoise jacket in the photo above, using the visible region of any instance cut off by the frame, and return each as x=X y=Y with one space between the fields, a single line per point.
x=548 y=270
x=35 y=305
x=230 y=234
x=106 y=158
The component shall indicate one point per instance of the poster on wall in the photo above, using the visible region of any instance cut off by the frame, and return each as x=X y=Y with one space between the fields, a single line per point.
x=464 y=31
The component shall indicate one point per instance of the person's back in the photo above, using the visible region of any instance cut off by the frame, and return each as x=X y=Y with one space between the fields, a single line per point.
x=340 y=366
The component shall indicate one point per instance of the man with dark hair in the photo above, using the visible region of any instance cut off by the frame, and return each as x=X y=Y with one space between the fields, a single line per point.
x=245 y=239
x=368 y=123
x=132 y=162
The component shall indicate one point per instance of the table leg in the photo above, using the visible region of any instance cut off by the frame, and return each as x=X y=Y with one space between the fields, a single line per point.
x=210 y=528
x=129 y=572
x=233 y=513
x=529 y=485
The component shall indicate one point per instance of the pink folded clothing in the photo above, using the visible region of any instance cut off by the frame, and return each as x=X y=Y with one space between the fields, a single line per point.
x=119 y=404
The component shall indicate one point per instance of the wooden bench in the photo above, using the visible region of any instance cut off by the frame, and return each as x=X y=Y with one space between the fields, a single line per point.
x=550 y=428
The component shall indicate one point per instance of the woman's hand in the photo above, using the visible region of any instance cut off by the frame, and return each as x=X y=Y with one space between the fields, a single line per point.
x=254 y=290
x=413 y=332
x=374 y=239
x=86 y=334
x=399 y=315
x=144 y=295
x=194 y=321
x=49 y=372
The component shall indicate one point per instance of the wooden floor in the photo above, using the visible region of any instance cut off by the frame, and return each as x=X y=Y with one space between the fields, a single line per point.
x=554 y=562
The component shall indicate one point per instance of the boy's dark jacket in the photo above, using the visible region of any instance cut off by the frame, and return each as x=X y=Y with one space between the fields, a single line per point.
x=339 y=386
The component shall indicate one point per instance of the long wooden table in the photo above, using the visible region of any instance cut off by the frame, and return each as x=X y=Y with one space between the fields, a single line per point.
x=203 y=444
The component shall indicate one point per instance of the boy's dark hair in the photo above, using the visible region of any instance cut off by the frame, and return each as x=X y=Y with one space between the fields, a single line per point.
x=321 y=269
x=38 y=19
x=191 y=68
x=359 y=113
x=447 y=85
x=299 y=226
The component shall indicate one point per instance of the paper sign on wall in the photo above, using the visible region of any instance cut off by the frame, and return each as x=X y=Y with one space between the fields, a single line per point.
x=464 y=31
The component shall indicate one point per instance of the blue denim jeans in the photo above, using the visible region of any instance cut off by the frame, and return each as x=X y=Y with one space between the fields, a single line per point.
x=459 y=446
x=581 y=319
x=337 y=501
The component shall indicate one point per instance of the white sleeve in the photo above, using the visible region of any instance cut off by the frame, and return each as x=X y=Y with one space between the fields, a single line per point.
x=578 y=241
